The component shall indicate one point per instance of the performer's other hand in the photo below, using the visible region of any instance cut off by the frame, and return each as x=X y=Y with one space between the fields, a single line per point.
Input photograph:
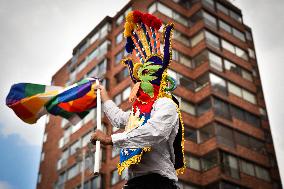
x=100 y=136
x=104 y=94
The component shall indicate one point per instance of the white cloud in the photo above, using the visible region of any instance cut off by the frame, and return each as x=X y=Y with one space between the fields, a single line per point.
x=5 y=185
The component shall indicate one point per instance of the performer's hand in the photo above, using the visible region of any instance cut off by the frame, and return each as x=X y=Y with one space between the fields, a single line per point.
x=100 y=136
x=104 y=94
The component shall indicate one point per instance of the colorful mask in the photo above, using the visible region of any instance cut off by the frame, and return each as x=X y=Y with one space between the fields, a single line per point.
x=149 y=73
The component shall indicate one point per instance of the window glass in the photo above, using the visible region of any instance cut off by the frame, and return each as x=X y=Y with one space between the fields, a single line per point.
x=197 y=38
x=200 y=58
x=120 y=76
x=218 y=84
x=247 y=168
x=232 y=67
x=238 y=113
x=212 y=40
x=192 y=162
x=115 y=178
x=224 y=135
x=118 y=38
x=73 y=171
x=181 y=38
x=241 y=53
x=163 y=9
x=203 y=107
x=152 y=8
x=96 y=183
x=262 y=173
x=187 y=83
x=208 y=3
x=225 y=26
x=222 y=8
x=230 y=164
x=195 y=18
x=235 y=16
x=206 y=133
x=86 y=139
x=177 y=17
x=209 y=161
x=221 y=108
x=210 y=20
x=215 y=61
x=247 y=75
x=251 y=53
x=119 y=56
x=248 y=35
x=239 y=34
x=74 y=146
x=126 y=93
x=187 y=107
x=248 y=96
x=234 y=89
x=228 y=46
x=202 y=82
x=190 y=134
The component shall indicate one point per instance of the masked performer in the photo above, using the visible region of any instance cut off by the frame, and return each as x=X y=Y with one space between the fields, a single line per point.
x=152 y=145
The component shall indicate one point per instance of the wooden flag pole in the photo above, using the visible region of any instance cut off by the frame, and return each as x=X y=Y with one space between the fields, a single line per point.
x=97 y=163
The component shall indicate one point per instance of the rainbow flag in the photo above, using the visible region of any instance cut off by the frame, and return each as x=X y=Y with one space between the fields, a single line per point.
x=31 y=101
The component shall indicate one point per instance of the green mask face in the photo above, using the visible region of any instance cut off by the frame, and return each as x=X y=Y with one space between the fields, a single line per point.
x=145 y=75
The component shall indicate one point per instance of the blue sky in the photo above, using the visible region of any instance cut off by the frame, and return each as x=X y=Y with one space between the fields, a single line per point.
x=37 y=38
x=19 y=162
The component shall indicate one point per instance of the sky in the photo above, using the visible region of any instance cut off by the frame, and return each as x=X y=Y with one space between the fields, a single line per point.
x=37 y=38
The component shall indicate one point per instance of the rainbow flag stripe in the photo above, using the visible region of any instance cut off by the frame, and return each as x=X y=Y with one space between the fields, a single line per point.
x=31 y=101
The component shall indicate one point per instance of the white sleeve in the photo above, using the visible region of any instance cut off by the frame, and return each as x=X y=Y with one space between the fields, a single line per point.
x=164 y=118
x=116 y=116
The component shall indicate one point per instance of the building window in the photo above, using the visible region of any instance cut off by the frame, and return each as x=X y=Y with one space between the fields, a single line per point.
x=187 y=107
x=200 y=59
x=74 y=147
x=197 y=39
x=238 y=70
x=101 y=33
x=206 y=132
x=115 y=152
x=126 y=93
x=192 y=162
x=245 y=116
x=118 y=38
x=168 y=12
x=187 y=83
x=247 y=168
x=73 y=171
x=234 y=49
x=218 y=84
x=242 y=93
x=203 y=107
x=224 y=135
x=215 y=61
x=212 y=40
x=119 y=56
x=181 y=58
x=209 y=161
x=235 y=32
x=39 y=178
x=248 y=35
x=121 y=18
x=202 y=82
x=86 y=139
x=210 y=20
x=228 y=12
x=190 y=134
x=209 y=4
x=115 y=177
x=221 y=108
x=230 y=165
x=251 y=53
x=42 y=156
x=196 y=18
x=250 y=142
x=44 y=137
x=180 y=37
x=120 y=76
x=262 y=173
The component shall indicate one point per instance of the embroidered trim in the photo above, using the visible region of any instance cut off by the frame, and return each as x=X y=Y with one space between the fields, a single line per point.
x=133 y=160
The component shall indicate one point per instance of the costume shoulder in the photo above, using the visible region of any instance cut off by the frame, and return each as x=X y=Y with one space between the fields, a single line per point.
x=165 y=103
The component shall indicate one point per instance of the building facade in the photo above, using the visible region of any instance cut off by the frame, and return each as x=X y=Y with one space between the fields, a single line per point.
x=228 y=140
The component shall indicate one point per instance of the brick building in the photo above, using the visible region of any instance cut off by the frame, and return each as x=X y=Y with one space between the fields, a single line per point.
x=228 y=141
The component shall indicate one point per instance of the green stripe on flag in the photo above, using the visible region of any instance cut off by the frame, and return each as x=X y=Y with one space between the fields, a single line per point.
x=33 y=89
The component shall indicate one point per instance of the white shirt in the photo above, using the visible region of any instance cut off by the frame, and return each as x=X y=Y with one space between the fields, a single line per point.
x=158 y=132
